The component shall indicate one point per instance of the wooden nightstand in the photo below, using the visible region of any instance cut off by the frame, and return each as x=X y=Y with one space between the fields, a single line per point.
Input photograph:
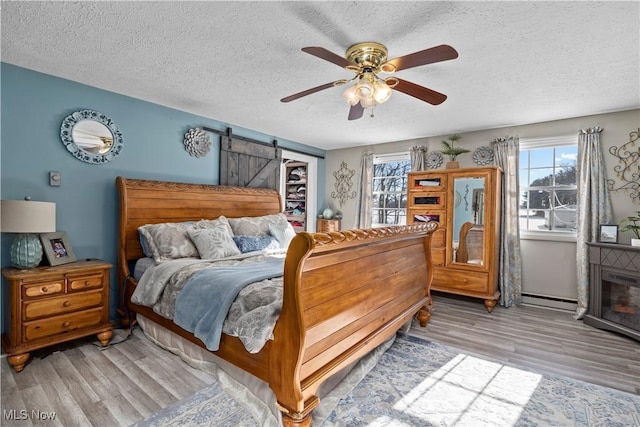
x=328 y=225
x=50 y=305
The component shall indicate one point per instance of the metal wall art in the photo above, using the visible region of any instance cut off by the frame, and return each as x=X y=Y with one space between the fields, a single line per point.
x=343 y=184
x=434 y=160
x=197 y=142
x=483 y=156
x=628 y=167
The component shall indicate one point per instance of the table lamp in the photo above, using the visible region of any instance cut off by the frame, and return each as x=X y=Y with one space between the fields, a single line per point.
x=28 y=218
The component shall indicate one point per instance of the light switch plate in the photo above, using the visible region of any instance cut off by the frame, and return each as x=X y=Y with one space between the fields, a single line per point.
x=55 y=179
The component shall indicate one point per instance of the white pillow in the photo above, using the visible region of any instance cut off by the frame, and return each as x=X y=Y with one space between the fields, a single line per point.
x=283 y=233
x=211 y=223
x=214 y=243
x=256 y=225
x=167 y=241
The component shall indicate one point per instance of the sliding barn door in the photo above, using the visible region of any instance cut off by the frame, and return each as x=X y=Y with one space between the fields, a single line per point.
x=249 y=164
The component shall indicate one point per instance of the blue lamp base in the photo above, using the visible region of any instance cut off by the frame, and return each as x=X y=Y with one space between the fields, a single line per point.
x=26 y=251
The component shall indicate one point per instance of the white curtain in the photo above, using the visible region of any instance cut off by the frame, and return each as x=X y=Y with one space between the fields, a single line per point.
x=594 y=207
x=507 y=153
x=365 y=192
x=418 y=158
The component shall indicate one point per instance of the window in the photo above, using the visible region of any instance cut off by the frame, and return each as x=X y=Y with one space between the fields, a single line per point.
x=548 y=185
x=389 y=206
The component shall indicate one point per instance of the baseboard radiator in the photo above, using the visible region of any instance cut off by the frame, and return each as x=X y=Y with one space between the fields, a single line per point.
x=549 y=301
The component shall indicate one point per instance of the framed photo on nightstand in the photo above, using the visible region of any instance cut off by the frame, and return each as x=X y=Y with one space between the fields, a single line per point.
x=608 y=233
x=57 y=248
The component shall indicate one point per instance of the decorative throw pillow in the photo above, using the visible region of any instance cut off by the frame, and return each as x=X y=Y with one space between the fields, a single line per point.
x=211 y=223
x=283 y=233
x=256 y=243
x=256 y=226
x=167 y=241
x=214 y=243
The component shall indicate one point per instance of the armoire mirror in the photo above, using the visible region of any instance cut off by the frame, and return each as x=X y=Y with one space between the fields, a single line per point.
x=468 y=220
x=91 y=136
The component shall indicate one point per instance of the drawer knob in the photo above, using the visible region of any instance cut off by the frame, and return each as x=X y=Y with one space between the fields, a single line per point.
x=66 y=304
x=66 y=324
x=86 y=283
x=44 y=289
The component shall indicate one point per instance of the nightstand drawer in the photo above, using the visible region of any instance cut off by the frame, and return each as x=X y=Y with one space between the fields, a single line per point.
x=85 y=282
x=60 y=305
x=33 y=290
x=60 y=324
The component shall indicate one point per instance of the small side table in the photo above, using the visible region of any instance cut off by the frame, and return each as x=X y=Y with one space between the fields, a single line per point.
x=51 y=305
x=328 y=225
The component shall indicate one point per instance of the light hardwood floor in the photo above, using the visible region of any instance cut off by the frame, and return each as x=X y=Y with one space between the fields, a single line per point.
x=85 y=385
x=545 y=340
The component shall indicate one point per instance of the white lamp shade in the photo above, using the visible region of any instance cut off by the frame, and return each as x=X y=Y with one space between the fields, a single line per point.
x=26 y=216
x=367 y=102
x=382 y=92
x=364 y=87
x=350 y=95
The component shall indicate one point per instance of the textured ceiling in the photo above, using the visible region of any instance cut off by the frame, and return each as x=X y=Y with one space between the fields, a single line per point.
x=519 y=62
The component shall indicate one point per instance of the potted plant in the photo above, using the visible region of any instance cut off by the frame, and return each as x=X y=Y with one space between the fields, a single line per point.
x=449 y=149
x=632 y=223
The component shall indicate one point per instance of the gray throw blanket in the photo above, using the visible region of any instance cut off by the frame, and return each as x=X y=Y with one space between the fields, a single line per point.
x=204 y=302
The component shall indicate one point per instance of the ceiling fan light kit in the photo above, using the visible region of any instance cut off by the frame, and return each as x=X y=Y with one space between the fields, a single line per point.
x=350 y=95
x=367 y=60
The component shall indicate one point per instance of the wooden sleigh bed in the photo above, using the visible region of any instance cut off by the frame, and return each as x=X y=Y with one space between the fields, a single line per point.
x=345 y=293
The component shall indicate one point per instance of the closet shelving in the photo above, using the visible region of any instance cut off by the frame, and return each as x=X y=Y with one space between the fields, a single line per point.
x=295 y=202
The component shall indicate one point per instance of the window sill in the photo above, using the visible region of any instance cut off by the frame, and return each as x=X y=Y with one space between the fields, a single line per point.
x=554 y=237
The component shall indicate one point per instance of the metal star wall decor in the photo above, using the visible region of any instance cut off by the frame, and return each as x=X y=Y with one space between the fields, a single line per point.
x=343 y=184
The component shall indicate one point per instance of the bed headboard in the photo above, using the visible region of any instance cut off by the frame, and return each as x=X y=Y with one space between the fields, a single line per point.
x=151 y=202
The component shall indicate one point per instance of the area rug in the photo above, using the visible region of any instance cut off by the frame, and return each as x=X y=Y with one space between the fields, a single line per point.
x=421 y=383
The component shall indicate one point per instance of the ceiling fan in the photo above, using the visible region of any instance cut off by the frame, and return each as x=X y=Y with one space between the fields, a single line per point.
x=369 y=59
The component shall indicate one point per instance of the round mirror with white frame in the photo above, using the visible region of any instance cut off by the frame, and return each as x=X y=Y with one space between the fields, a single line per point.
x=91 y=137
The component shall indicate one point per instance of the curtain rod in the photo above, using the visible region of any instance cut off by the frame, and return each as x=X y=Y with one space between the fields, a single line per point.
x=229 y=133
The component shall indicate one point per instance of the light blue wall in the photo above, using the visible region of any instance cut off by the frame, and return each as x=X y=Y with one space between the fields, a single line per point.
x=33 y=107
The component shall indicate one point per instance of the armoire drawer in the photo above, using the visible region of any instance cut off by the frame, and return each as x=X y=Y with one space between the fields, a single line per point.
x=469 y=281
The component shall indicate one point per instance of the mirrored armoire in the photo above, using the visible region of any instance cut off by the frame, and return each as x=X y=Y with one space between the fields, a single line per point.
x=465 y=248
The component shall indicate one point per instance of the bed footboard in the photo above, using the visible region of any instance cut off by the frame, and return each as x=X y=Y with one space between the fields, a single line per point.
x=345 y=293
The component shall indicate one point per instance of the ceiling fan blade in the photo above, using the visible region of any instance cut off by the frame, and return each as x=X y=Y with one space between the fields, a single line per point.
x=307 y=92
x=356 y=112
x=323 y=53
x=420 y=92
x=428 y=56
